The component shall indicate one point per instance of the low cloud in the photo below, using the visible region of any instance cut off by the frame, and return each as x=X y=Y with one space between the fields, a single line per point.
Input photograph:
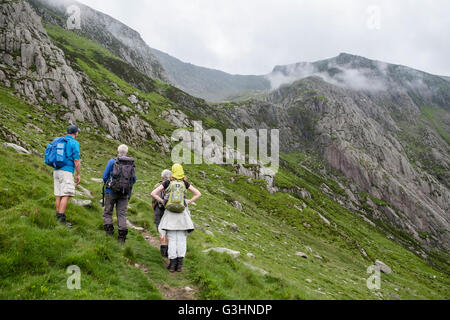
x=340 y=75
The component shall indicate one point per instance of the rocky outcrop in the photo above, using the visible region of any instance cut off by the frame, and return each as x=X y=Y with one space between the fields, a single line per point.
x=34 y=66
x=41 y=74
x=120 y=39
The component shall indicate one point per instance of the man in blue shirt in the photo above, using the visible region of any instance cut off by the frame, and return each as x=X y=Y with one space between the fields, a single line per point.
x=63 y=178
x=119 y=200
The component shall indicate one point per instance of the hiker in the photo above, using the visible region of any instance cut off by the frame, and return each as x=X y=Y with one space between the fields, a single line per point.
x=63 y=154
x=176 y=222
x=119 y=177
x=158 y=209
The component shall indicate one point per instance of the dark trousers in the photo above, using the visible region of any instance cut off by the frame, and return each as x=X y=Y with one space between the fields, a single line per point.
x=121 y=204
x=159 y=212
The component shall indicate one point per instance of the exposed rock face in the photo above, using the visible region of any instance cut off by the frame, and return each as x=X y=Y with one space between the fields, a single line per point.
x=357 y=134
x=123 y=41
x=29 y=54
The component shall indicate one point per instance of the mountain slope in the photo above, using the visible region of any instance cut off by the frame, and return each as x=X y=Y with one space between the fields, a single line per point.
x=367 y=137
x=309 y=213
x=209 y=84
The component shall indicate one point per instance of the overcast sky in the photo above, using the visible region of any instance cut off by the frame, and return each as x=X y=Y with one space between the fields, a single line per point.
x=252 y=36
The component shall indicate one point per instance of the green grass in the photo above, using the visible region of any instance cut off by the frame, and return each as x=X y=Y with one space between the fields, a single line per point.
x=432 y=115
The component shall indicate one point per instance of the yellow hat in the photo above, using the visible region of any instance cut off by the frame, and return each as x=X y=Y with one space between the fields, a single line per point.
x=177 y=171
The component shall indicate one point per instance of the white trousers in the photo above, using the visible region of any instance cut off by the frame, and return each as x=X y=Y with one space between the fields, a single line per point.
x=177 y=244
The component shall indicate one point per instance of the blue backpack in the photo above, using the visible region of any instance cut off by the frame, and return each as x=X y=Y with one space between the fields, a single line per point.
x=55 y=153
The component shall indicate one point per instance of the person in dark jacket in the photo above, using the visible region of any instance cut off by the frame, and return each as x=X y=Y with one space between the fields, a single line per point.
x=113 y=199
x=158 y=209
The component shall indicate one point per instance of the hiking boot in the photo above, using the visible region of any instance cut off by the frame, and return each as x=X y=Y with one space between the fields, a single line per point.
x=109 y=228
x=62 y=219
x=122 y=236
x=172 y=265
x=179 y=264
x=164 y=250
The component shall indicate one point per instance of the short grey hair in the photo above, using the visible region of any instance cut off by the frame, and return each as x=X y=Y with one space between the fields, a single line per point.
x=166 y=174
x=122 y=150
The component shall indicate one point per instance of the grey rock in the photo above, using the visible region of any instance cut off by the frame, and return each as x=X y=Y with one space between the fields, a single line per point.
x=83 y=191
x=237 y=205
x=234 y=227
x=323 y=218
x=133 y=99
x=234 y=254
x=17 y=148
x=383 y=267
x=301 y=254
x=209 y=233
x=252 y=267
x=82 y=203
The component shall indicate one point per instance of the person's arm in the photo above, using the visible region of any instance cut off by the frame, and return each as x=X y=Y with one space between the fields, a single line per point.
x=78 y=169
x=77 y=161
x=155 y=194
x=107 y=172
x=196 y=193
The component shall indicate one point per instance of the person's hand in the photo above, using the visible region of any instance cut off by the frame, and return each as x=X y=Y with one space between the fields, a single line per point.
x=78 y=180
x=189 y=202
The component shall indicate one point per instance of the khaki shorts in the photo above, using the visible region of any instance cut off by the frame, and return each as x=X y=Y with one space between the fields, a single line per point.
x=63 y=183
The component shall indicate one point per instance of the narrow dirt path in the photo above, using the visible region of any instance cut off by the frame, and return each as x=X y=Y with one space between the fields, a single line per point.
x=169 y=293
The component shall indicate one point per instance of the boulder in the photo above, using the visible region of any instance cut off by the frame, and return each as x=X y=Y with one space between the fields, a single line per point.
x=17 y=148
x=234 y=254
x=82 y=203
x=301 y=254
x=237 y=205
x=84 y=192
x=234 y=227
x=133 y=99
x=252 y=267
x=209 y=233
x=383 y=267
x=324 y=219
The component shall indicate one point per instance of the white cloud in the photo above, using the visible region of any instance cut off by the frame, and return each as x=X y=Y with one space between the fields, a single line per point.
x=252 y=36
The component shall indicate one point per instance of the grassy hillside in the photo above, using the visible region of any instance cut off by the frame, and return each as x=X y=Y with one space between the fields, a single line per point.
x=35 y=250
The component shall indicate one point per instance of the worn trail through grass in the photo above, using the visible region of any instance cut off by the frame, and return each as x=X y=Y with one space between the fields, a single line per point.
x=169 y=292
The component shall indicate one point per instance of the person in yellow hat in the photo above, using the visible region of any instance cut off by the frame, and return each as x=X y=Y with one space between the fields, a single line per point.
x=176 y=221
